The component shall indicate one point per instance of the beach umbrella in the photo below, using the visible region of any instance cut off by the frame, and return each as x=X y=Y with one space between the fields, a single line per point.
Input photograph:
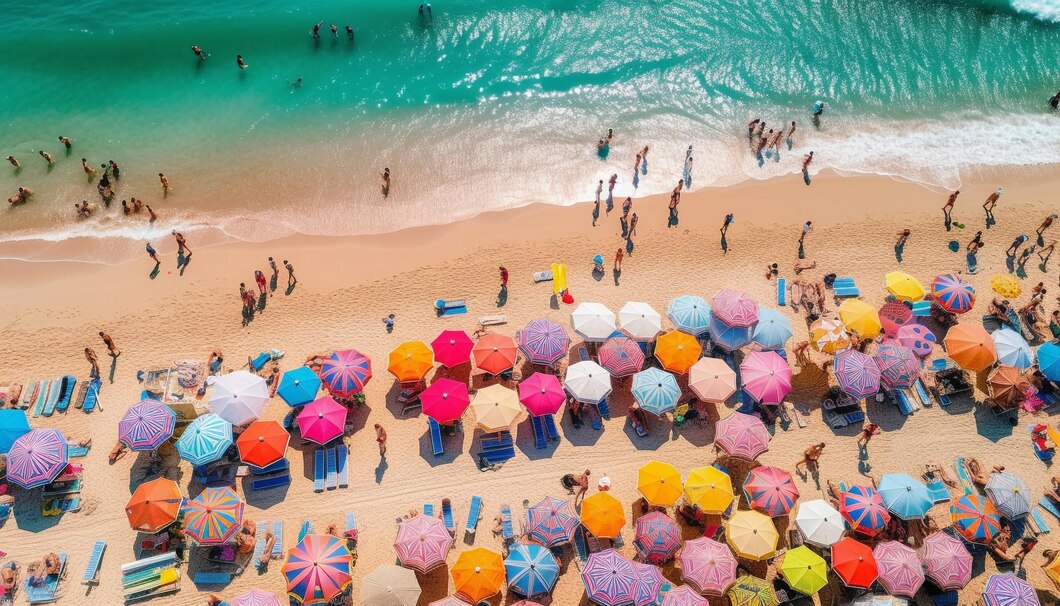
x=659 y=483
x=899 y=366
x=735 y=308
x=657 y=537
x=593 y=322
x=829 y=335
x=452 y=601
x=900 y=570
x=656 y=391
x=256 y=597
x=904 y=286
x=452 y=348
x=677 y=351
x=859 y=317
x=603 y=516
x=146 y=425
x=609 y=578
x=621 y=356
x=970 y=347
x=819 y=523
x=751 y=535
x=322 y=420
x=857 y=374
x=214 y=516
x=893 y=316
x=752 y=591
x=530 y=569
x=551 y=521
x=710 y=489
x=239 y=397
x=946 y=561
x=205 y=440
x=154 y=505
x=390 y=585
x=742 y=436
x=640 y=321
x=1009 y=590
x=298 y=387
x=263 y=443
x=587 y=382
x=975 y=518
x=1049 y=360
x=648 y=585
x=904 y=497
x=804 y=570
x=712 y=380
x=770 y=490
x=543 y=342
x=683 y=596
x=422 y=543
x=952 y=293
x=410 y=361
x=346 y=372
x=708 y=566
x=496 y=408
x=445 y=400
x=478 y=574
x=854 y=563
x=729 y=338
x=1006 y=286
x=1052 y=568
x=522 y=603
x=690 y=314
x=1009 y=494
x=1004 y=384
x=773 y=329
x=766 y=377
x=13 y=425
x=864 y=510
x=495 y=353
x=1012 y=349
x=917 y=338
x=541 y=394
x=318 y=568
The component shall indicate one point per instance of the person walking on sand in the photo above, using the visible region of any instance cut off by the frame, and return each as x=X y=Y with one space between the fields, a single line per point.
x=947 y=209
x=807 y=227
x=725 y=226
x=151 y=252
x=380 y=438
x=385 y=178
x=504 y=275
x=47 y=157
x=275 y=270
x=1014 y=247
x=109 y=342
x=810 y=457
x=991 y=200
x=791 y=134
x=1046 y=224
x=902 y=237
x=259 y=278
x=626 y=207
x=599 y=191
x=164 y=181
x=90 y=355
x=581 y=486
x=633 y=226
x=66 y=142
x=611 y=192
x=291 y=280
x=866 y=434
x=182 y=244
x=619 y=255
x=596 y=210
x=388 y=322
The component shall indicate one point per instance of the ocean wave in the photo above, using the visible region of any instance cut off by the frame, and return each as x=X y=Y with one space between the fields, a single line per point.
x=1046 y=10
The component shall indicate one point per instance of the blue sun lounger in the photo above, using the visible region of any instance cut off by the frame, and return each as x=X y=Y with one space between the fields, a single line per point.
x=259 y=546
x=45 y=593
x=307 y=528
x=580 y=548
x=436 y=437
x=447 y=516
x=342 y=454
x=91 y=575
x=67 y=393
x=331 y=480
x=92 y=397
x=318 y=470
x=539 y=432
x=550 y=427
x=474 y=512
x=904 y=404
x=428 y=510
x=507 y=530
x=277 y=531
x=76 y=452
x=782 y=292
x=605 y=410
x=212 y=578
x=938 y=492
x=922 y=393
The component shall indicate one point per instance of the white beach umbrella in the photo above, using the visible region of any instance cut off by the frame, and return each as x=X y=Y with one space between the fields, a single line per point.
x=819 y=523
x=588 y=382
x=640 y=321
x=239 y=397
x=593 y=321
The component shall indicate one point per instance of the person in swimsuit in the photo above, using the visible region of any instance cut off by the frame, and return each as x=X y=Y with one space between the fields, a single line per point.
x=88 y=169
x=47 y=157
x=164 y=181
x=240 y=63
x=65 y=141
x=14 y=162
x=198 y=52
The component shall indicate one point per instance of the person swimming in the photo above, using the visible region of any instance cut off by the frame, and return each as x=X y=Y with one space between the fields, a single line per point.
x=239 y=61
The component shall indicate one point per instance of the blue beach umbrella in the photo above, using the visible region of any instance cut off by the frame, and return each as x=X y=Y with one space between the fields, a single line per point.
x=205 y=440
x=530 y=569
x=299 y=387
x=13 y=425
x=773 y=329
x=1012 y=349
x=1049 y=360
x=729 y=338
x=656 y=390
x=689 y=314
x=905 y=497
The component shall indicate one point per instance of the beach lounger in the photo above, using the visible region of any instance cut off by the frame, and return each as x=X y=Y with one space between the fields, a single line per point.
x=95 y=558
x=29 y=394
x=922 y=393
x=331 y=480
x=428 y=510
x=1047 y=504
x=938 y=491
x=410 y=401
x=447 y=516
x=904 y=404
x=489 y=458
x=581 y=549
x=550 y=427
x=160 y=561
x=160 y=590
x=307 y=528
x=342 y=454
x=319 y=472
x=212 y=578
x=500 y=441
x=539 y=432
x=962 y=475
x=281 y=465
x=58 y=489
x=1039 y=521
x=42 y=397
x=147 y=584
x=66 y=394
x=922 y=308
x=45 y=593
x=507 y=530
x=277 y=531
x=474 y=512
x=542 y=276
x=92 y=396
x=351 y=521
x=583 y=354
x=948 y=598
x=259 y=362
x=259 y=546
x=782 y=291
x=450 y=307
x=605 y=410
x=218 y=474
x=492 y=320
x=847 y=292
x=436 y=437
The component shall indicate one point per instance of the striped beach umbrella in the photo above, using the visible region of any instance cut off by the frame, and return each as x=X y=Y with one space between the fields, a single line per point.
x=530 y=569
x=263 y=443
x=452 y=348
x=322 y=420
x=13 y=425
x=1009 y=590
x=829 y=335
x=603 y=515
x=894 y=315
x=970 y=347
x=495 y=353
x=900 y=570
x=683 y=596
x=256 y=597
x=708 y=566
x=905 y=497
x=1009 y=494
x=552 y=521
x=917 y=338
x=593 y=322
x=861 y=318
x=390 y=585
x=772 y=330
x=657 y=537
x=709 y=489
x=735 y=308
x=766 y=377
x=541 y=394
x=864 y=510
x=452 y=601
x=1049 y=360
x=690 y=314
x=804 y=570
x=903 y=286
x=857 y=374
x=751 y=535
x=609 y=579
x=346 y=372
x=410 y=361
x=298 y=387
x=742 y=436
x=899 y=366
x=677 y=351
x=205 y=440
x=656 y=391
x=587 y=382
x=752 y=591
x=496 y=408
x=854 y=563
x=214 y=516
x=712 y=380
x=1006 y=286
x=445 y=400
x=975 y=518
x=770 y=490
x=239 y=397
x=1012 y=349
x=543 y=342
x=729 y=338
x=318 y=568
x=640 y=321
x=422 y=543
x=621 y=356
x=819 y=523
x=659 y=483
x=146 y=425
x=952 y=293
x=648 y=585
x=154 y=505
x=946 y=561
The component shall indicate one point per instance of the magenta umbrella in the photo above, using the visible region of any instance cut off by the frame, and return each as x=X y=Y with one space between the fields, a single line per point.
x=899 y=366
x=893 y=316
x=322 y=420
x=445 y=400
x=901 y=572
x=452 y=348
x=708 y=566
x=37 y=457
x=620 y=356
x=917 y=338
x=742 y=436
x=770 y=490
x=541 y=394
x=946 y=561
x=735 y=308
x=684 y=596
x=766 y=376
x=422 y=543
x=256 y=597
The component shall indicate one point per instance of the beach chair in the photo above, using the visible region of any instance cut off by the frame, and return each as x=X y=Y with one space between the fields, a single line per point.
x=45 y=592
x=331 y=480
x=447 y=516
x=281 y=465
x=452 y=307
x=1048 y=505
x=1039 y=521
x=782 y=292
x=938 y=492
x=148 y=582
x=342 y=455
x=507 y=531
x=269 y=482
x=492 y=320
x=904 y=404
x=92 y=396
x=428 y=510
x=95 y=558
x=436 y=437
x=58 y=489
x=581 y=549
x=922 y=308
x=583 y=354
x=921 y=392
x=277 y=531
x=496 y=453
x=539 y=432
x=67 y=393
x=318 y=470
x=351 y=521
x=155 y=562
x=474 y=512
x=307 y=528
x=259 y=547
x=845 y=288
x=550 y=427
x=212 y=578
x=605 y=410
x=259 y=362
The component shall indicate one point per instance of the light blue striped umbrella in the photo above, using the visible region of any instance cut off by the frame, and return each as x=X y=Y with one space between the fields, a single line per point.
x=205 y=440
x=656 y=390
x=904 y=496
x=729 y=338
x=299 y=387
x=531 y=569
x=773 y=329
x=1012 y=349
x=690 y=314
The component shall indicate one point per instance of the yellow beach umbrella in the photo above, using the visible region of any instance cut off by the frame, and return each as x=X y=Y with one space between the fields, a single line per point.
x=478 y=574
x=751 y=535
x=410 y=361
x=496 y=408
x=677 y=351
x=710 y=489
x=660 y=483
x=603 y=516
x=828 y=335
x=860 y=317
x=1006 y=286
x=752 y=591
x=1053 y=569
x=804 y=570
x=904 y=286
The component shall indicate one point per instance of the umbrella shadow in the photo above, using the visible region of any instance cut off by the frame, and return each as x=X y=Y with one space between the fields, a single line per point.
x=454 y=447
x=651 y=441
x=884 y=414
x=264 y=499
x=994 y=427
x=396 y=408
x=27 y=512
x=580 y=436
x=524 y=441
x=434 y=585
x=113 y=368
x=357 y=418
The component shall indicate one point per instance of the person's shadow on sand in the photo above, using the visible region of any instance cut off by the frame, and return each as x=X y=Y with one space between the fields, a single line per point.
x=806 y=177
x=899 y=250
x=1010 y=263
x=183 y=262
x=802 y=251
x=502 y=296
x=113 y=368
x=290 y=289
x=380 y=470
x=616 y=274
x=724 y=244
x=261 y=302
x=154 y=271
x=272 y=282
x=629 y=246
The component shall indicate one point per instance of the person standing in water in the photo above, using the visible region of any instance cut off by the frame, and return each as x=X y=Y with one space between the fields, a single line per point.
x=115 y=170
x=47 y=157
x=240 y=63
x=385 y=177
x=1054 y=101
x=199 y=52
x=66 y=142
x=806 y=167
x=165 y=183
x=316 y=30
x=644 y=160
x=14 y=162
x=791 y=134
x=85 y=167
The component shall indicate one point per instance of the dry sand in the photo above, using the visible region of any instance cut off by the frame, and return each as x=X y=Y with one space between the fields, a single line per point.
x=52 y=311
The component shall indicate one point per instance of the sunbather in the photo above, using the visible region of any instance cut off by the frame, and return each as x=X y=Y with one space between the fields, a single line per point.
x=8 y=579
x=49 y=564
x=940 y=472
x=213 y=600
x=333 y=530
x=266 y=553
x=117 y=452
x=976 y=472
x=498 y=526
x=802 y=265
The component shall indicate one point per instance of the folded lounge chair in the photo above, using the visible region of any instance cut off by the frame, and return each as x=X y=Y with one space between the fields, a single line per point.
x=331 y=480
x=447 y=516
x=782 y=291
x=95 y=558
x=342 y=454
x=474 y=512
x=436 y=437
x=319 y=473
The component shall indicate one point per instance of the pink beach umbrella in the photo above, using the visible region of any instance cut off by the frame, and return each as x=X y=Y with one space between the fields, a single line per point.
x=770 y=490
x=684 y=596
x=621 y=356
x=649 y=582
x=712 y=380
x=452 y=348
x=1009 y=590
x=857 y=374
x=894 y=315
x=901 y=572
x=742 y=436
x=322 y=420
x=899 y=366
x=450 y=601
x=766 y=376
x=917 y=338
x=657 y=537
x=708 y=566
x=422 y=543
x=37 y=457
x=445 y=400
x=256 y=597
x=541 y=394
x=526 y=603
x=947 y=561
x=735 y=308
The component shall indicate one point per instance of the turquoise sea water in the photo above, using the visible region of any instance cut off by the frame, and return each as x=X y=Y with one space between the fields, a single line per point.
x=491 y=105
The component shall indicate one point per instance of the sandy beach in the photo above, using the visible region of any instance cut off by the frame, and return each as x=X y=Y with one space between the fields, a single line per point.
x=52 y=311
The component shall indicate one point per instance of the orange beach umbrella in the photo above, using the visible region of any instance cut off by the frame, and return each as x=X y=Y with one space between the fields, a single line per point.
x=478 y=574
x=154 y=505
x=410 y=361
x=263 y=443
x=602 y=515
x=971 y=347
x=495 y=353
x=677 y=351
